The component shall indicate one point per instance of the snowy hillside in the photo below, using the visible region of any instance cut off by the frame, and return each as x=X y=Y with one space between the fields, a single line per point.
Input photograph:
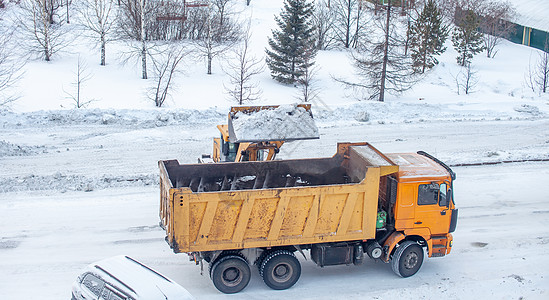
x=46 y=85
x=79 y=185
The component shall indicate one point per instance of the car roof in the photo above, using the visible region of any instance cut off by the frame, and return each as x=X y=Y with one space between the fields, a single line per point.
x=136 y=277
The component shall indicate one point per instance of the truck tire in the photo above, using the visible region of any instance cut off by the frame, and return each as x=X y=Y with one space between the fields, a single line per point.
x=230 y=274
x=259 y=261
x=407 y=259
x=280 y=270
x=223 y=254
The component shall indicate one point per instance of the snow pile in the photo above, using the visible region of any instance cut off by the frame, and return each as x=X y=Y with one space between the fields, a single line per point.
x=529 y=109
x=287 y=122
x=9 y=149
x=147 y=118
x=403 y=112
x=62 y=182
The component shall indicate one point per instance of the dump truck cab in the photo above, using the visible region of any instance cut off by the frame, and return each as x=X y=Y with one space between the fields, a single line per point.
x=424 y=207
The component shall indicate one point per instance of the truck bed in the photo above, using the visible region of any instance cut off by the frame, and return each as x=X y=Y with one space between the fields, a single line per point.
x=208 y=207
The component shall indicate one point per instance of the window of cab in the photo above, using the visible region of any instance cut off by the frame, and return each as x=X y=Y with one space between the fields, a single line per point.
x=432 y=193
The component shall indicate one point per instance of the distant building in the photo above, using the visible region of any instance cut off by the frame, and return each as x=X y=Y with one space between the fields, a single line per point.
x=531 y=23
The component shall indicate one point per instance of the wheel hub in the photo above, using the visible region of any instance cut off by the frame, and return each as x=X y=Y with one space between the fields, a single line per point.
x=231 y=276
x=410 y=261
x=282 y=273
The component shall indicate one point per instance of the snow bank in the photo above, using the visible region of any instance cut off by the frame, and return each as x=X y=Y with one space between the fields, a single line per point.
x=9 y=149
x=63 y=182
x=123 y=117
x=287 y=122
x=418 y=112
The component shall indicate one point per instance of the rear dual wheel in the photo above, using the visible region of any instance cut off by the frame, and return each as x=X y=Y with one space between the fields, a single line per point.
x=280 y=269
x=230 y=274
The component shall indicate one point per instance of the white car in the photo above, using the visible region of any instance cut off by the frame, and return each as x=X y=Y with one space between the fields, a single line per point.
x=124 y=278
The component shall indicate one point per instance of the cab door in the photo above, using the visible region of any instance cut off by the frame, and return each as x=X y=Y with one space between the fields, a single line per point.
x=432 y=209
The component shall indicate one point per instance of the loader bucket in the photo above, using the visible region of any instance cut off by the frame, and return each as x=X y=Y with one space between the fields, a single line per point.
x=272 y=123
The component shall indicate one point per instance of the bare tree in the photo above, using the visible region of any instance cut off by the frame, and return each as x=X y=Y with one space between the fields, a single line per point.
x=135 y=16
x=350 y=23
x=494 y=23
x=82 y=75
x=323 y=21
x=308 y=90
x=241 y=70
x=165 y=67
x=47 y=36
x=543 y=72
x=537 y=77
x=51 y=8
x=217 y=40
x=344 y=11
x=98 y=19
x=382 y=63
x=223 y=9
x=466 y=80
x=10 y=66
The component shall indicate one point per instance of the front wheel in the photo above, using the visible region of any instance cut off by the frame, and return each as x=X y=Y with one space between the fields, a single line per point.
x=230 y=274
x=407 y=259
x=280 y=270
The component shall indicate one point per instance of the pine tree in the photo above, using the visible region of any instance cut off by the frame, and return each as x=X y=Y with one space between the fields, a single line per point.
x=292 y=43
x=467 y=39
x=427 y=37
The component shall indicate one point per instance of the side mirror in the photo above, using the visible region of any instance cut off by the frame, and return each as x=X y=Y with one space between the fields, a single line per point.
x=445 y=199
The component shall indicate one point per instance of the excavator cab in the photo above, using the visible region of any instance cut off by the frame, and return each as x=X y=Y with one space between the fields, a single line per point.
x=256 y=133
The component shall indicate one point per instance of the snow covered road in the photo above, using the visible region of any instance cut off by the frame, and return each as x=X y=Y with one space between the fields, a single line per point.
x=499 y=248
x=50 y=228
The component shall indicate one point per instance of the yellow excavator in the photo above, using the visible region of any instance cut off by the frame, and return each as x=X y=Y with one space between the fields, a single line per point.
x=256 y=133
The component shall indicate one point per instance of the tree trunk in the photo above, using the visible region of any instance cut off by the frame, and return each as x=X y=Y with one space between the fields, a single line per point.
x=357 y=32
x=67 y=3
x=385 y=56
x=103 y=42
x=144 y=49
x=144 y=60
x=348 y=25
x=209 y=63
x=424 y=59
x=46 y=41
x=407 y=37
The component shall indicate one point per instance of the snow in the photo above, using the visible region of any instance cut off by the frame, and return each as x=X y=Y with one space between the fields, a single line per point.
x=372 y=156
x=531 y=13
x=80 y=185
x=286 y=122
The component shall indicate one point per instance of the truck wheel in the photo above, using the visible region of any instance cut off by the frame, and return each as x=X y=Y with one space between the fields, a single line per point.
x=230 y=274
x=259 y=261
x=407 y=259
x=280 y=270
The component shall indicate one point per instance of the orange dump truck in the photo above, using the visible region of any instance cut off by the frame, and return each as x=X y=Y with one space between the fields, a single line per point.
x=360 y=202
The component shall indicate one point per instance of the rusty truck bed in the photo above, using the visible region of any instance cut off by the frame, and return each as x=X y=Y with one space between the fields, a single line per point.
x=208 y=207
